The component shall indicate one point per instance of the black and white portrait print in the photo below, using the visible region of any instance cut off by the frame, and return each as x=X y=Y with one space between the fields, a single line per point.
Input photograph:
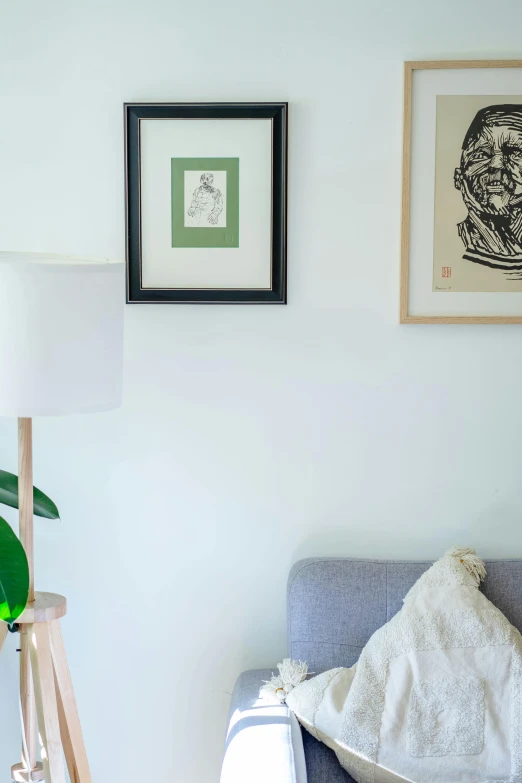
x=489 y=179
x=205 y=199
x=477 y=242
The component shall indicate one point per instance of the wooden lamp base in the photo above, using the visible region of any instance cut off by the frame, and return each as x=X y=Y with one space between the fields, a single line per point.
x=46 y=689
x=20 y=774
x=58 y=722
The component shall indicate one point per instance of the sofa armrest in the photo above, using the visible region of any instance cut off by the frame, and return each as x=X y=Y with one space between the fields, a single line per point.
x=264 y=743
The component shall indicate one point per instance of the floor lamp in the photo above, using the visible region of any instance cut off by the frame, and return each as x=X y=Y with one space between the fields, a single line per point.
x=61 y=329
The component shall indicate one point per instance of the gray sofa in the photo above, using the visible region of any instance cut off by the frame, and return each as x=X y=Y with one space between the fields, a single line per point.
x=334 y=606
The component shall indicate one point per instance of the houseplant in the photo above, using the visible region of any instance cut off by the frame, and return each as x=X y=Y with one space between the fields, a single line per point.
x=14 y=569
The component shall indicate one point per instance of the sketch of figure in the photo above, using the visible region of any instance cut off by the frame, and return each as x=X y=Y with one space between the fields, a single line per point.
x=207 y=202
x=490 y=182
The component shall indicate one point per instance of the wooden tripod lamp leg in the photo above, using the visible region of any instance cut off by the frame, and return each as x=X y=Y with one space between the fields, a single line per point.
x=28 y=703
x=71 y=730
x=46 y=703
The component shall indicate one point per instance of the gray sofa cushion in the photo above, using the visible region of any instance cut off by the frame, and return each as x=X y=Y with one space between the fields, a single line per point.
x=322 y=765
x=336 y=604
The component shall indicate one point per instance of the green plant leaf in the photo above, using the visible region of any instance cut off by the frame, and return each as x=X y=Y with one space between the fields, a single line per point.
x=43 y=506
x=14 y=574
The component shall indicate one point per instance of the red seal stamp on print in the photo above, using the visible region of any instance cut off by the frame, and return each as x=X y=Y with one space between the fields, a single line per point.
x=446 y=271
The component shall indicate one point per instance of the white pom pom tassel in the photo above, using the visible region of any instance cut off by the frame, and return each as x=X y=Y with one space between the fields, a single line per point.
x=291 y=673
x=473 y=564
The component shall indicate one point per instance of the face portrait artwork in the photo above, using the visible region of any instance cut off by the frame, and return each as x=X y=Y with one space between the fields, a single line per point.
x=478 y=194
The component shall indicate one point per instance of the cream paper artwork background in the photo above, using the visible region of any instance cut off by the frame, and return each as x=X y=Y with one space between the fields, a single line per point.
x=455 y=114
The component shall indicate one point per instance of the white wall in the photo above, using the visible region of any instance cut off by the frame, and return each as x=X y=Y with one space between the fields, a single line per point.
x=250 y=436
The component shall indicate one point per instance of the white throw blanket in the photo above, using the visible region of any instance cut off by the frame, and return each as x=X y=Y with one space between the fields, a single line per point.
x=436 y=696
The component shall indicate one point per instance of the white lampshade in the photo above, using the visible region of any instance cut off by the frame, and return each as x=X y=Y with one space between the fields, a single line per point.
x=61 y=334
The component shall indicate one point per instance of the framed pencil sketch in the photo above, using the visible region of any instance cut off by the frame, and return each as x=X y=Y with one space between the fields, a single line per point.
x=206 y=194
x=461 y=257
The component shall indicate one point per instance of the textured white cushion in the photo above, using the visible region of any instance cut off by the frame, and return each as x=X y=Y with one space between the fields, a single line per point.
x=436 y=694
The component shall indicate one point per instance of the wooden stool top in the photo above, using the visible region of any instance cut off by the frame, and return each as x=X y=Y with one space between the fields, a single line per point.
x=45 y=607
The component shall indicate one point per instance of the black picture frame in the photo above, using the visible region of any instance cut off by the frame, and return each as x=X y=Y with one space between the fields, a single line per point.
x=278 y=113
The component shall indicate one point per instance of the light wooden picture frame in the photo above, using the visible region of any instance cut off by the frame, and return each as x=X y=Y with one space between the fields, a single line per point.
x=461 y=232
